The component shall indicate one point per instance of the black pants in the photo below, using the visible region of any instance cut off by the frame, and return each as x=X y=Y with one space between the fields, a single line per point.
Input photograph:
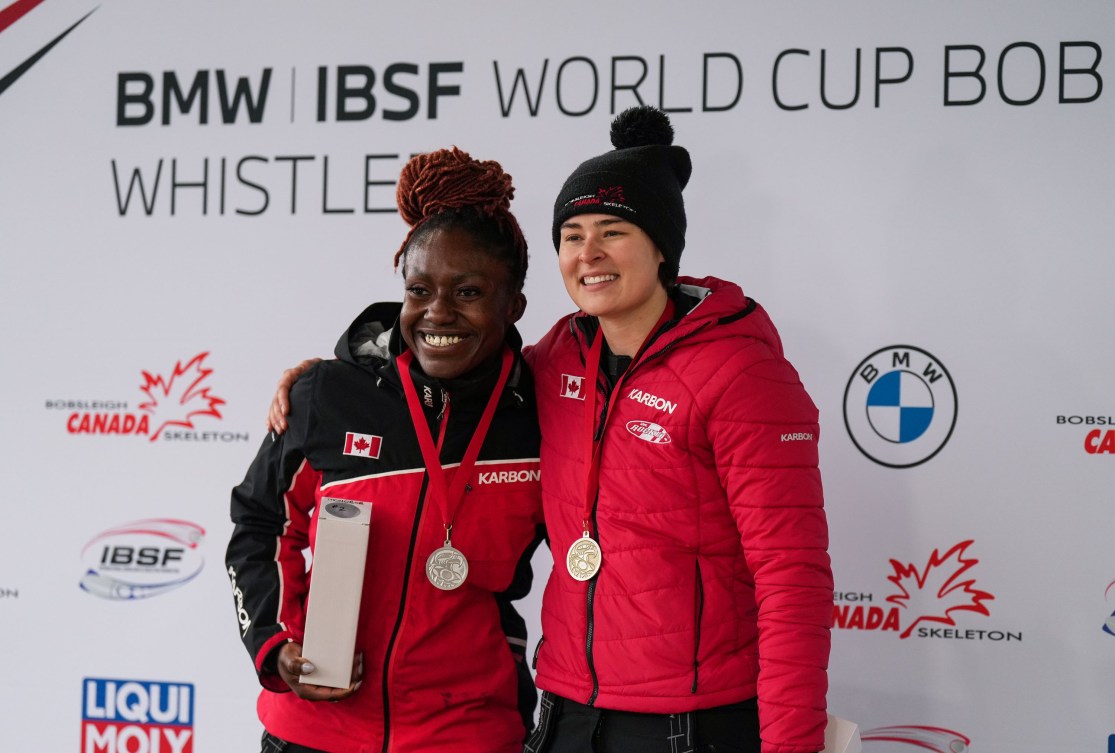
x=272 y=744
x=568 y=727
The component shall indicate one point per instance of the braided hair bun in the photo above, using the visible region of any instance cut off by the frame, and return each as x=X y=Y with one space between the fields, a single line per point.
x=457 y=190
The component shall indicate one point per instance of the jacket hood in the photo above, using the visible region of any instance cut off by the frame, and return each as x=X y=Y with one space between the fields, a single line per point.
x=366 y=342
x=720 y=308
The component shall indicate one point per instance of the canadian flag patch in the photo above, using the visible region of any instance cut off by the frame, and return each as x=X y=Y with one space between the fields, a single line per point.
x=362 y=445
x=573 y=386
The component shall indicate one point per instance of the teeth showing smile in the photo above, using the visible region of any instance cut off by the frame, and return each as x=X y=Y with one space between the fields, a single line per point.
x=599 y=278
x=441 y=341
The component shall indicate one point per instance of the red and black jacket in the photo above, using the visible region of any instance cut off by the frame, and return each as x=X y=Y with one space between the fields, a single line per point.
x=443 y=670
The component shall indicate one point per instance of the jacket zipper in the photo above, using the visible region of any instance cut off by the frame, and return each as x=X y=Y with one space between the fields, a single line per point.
x=399 y=617
x=590 y=592
x=406 y=588
x=700 y=609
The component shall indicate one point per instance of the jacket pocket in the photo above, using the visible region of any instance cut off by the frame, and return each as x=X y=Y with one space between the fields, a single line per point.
x=698 y=612
x=537 y=649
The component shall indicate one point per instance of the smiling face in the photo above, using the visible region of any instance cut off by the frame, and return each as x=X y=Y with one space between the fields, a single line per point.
x=458 y=304
x=610 y=268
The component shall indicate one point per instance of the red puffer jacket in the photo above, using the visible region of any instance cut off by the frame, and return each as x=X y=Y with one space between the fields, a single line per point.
x=710 y=518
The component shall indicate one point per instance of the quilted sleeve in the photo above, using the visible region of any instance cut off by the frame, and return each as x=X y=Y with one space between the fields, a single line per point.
x=763 y=430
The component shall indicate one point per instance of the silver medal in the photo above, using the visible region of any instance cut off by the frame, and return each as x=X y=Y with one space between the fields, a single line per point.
x=583 y=559
x=447 y=568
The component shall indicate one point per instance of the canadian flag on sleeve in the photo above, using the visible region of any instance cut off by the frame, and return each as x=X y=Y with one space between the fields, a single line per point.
x=362 y=445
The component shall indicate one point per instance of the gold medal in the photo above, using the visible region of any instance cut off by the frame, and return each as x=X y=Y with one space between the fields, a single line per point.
x=583 y=559
x=447 y=568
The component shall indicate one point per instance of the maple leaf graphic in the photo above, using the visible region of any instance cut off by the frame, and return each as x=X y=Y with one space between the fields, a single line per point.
x=175 y=401
x=361 y=444
x=937 y=591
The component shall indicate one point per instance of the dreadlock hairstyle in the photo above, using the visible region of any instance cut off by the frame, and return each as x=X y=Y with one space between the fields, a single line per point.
x=448 y=188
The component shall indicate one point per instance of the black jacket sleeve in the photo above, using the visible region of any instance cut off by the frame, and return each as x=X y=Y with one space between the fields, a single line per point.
x=271 y=510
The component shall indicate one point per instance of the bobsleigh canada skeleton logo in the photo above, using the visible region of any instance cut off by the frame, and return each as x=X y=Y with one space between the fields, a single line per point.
x=608 y=196
x=142 y=559
x=177 y=399
x=9 y=16
x=926 y=597
x=900 y=406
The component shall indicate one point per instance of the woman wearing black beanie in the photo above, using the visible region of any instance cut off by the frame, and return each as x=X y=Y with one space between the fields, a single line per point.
x=691 y=598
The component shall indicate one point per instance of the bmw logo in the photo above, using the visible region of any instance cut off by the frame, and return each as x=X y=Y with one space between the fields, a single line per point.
x=900 y=406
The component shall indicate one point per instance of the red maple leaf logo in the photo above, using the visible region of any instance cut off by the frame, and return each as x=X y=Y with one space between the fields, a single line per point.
x=175 y=401
x=937 y=591
x=361 y=444
x=611 y=193
x=573 y=387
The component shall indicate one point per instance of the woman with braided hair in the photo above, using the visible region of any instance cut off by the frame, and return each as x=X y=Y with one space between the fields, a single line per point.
x=426 y=402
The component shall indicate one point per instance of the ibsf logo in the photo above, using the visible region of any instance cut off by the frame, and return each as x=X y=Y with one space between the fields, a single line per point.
x=917 y=737
x=142 y=559
x=900 y=406
x=137 y=716
x=174 y=400
x=924 y=596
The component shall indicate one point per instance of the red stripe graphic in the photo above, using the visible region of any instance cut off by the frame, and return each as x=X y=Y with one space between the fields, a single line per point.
x=9 y=16
x=16 y=11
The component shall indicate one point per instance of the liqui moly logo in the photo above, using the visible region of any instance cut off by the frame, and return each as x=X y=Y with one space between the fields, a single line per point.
x=137 y=716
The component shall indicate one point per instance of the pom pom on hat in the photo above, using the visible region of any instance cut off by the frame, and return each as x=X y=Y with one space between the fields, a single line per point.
x=641 y=126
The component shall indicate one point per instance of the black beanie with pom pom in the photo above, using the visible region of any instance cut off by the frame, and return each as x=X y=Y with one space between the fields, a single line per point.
x=640 y=180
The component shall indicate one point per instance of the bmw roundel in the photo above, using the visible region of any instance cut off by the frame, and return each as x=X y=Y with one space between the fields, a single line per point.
x=900 y=406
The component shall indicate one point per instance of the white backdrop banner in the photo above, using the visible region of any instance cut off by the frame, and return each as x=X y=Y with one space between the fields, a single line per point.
x=194 y=196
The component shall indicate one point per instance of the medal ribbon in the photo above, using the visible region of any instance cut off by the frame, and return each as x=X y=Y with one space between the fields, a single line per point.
x=447 y=499
x=593 y=445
